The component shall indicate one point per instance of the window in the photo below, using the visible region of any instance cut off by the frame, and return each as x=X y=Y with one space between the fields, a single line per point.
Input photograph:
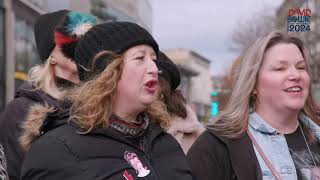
x=26 y=53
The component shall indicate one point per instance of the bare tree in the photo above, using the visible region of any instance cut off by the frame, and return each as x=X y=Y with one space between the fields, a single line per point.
x=248 y=31
x=311 y=38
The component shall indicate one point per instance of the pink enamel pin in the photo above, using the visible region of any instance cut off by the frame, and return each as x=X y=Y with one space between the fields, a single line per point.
x=135 y=162
x=127 y=175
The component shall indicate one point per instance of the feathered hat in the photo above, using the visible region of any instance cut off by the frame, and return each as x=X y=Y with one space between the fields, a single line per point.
x=70 y=30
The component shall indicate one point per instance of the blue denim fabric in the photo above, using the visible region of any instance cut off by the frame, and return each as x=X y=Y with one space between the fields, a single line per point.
x=275 y=146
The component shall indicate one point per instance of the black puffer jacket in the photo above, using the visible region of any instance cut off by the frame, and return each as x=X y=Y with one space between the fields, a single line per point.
x=61 y=152
x=10 y=124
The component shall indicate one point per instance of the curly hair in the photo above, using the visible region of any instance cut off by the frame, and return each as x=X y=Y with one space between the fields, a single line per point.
x=93 y=100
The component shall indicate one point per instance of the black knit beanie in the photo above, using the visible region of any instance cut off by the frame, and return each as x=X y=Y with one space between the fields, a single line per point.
x=168 y=70
x=116 y=37
x=44 y=32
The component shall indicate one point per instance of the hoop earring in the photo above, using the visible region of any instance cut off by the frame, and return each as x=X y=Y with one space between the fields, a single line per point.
x=253 y=98
x=52 y=61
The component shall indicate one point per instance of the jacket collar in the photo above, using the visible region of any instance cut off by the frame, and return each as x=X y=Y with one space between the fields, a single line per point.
x=152 y=132
x=257 y=123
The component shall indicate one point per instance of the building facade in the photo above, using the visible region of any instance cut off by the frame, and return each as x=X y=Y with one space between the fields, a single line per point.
x=137 y=11
x=17 y=45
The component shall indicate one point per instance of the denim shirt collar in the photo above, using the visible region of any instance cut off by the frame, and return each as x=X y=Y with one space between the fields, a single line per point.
x=257 y=123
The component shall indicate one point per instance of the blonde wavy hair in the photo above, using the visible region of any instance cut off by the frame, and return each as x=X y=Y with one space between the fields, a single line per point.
x=93 y=100
x=233 y=120
x=43 y=77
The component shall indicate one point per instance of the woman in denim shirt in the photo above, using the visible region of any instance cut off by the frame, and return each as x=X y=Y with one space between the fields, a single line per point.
x=269 y=129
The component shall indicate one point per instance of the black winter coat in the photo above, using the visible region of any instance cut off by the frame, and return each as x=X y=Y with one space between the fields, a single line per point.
x=64 y=153
x=10 y=124
x=213 y=157
x=3 y=165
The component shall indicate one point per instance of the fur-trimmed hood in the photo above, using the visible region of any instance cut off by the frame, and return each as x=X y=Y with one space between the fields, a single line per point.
x=40 y=119
x=11 y=119
x=187 y=130
x=188 y=125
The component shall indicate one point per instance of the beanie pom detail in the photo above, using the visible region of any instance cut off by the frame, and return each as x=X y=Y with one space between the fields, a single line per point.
x=71 y=29
x=79 y=23
x=62 y=39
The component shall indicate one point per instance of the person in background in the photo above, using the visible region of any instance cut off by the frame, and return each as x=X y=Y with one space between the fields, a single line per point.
x=184 y=124
x=269 y=129
x=47 y=82
x=114 y=131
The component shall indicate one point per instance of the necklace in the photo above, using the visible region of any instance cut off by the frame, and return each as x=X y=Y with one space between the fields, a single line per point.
x=305 y=140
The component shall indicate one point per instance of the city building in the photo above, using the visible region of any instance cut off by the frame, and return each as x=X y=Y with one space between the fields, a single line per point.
x=137 y=11
x=17 y=44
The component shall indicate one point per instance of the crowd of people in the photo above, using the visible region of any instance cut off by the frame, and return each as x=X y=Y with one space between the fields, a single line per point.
x=105 y=104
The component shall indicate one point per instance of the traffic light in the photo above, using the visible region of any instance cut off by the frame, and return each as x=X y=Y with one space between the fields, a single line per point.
x=214 y=104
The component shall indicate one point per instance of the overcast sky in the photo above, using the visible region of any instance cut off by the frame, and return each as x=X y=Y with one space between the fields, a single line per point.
x=205 y=25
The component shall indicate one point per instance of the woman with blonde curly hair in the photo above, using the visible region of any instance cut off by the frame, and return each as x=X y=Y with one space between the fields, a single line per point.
x=56 y=35
x=114 y=131
x=269 y=129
